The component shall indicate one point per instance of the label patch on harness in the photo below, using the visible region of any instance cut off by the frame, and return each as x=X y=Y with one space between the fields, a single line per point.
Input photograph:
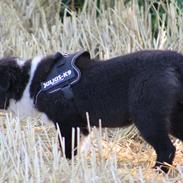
x=60 y=78
x=63 y=74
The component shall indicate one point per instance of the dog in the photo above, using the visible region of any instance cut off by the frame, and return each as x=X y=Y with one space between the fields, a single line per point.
x=144 y=88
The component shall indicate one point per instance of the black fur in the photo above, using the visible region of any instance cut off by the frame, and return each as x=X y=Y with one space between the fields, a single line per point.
x=13 y=80
x=145 y=87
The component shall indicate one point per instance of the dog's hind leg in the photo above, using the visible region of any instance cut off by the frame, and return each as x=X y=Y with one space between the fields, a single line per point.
x=154 y=130
x=176 y=126
x=151 y=104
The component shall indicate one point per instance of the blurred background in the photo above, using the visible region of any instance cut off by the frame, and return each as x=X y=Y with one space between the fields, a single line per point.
x=105 y=28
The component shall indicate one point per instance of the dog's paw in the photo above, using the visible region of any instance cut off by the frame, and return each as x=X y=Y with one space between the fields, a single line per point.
x=162 y=169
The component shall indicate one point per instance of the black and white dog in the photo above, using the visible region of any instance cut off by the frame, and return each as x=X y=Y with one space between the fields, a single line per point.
x=144 y=88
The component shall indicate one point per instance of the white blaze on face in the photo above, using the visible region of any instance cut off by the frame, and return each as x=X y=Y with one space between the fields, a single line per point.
x=25 y=107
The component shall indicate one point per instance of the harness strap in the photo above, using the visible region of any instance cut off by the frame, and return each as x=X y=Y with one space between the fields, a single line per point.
x=63 y=75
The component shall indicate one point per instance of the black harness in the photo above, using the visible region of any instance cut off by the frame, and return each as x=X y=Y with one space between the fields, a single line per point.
x=63 y=75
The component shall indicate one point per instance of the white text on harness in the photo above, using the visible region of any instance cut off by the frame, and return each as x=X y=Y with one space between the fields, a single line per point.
x=55 y=80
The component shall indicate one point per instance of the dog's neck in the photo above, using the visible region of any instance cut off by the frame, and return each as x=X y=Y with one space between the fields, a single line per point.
x=40 y=66
x=24 y=106
x=39 y=69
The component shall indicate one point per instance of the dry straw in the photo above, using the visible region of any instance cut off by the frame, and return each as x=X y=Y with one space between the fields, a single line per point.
x=29 y=151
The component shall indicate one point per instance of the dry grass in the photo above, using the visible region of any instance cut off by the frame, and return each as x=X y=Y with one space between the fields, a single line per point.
x=28 y=151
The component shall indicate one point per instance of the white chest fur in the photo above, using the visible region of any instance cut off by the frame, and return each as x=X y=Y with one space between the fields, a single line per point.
x=25 y=107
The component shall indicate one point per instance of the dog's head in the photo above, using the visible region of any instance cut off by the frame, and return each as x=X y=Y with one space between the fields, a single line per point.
x=20 y=80
x=12 y=80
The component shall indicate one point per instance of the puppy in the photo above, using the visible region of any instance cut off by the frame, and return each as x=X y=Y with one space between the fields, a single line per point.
x=144 y=88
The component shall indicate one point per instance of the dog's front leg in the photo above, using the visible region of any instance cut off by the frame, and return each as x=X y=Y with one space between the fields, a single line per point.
x=67 y=144
x=73 y=136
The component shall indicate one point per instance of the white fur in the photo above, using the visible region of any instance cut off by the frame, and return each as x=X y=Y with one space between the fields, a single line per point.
x=25 y=107
x=20 y=62
x=85 y=144
x=44 y=119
